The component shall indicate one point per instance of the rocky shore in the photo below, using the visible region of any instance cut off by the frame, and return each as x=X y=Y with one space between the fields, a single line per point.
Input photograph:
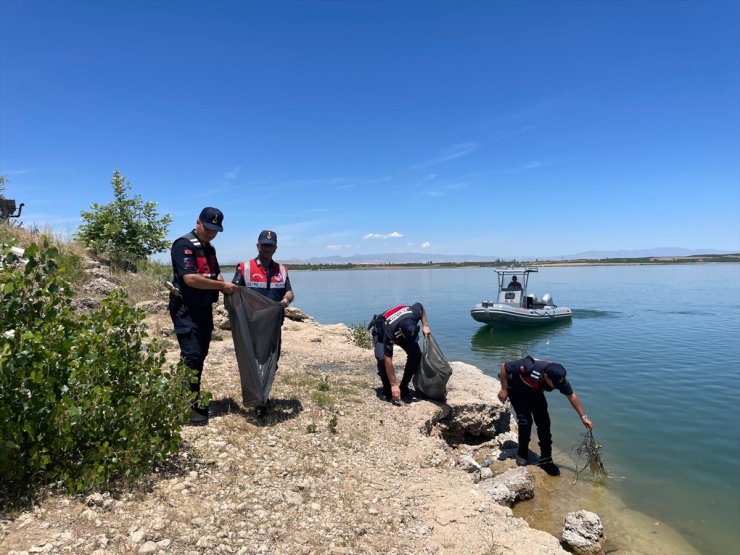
x=332 y=469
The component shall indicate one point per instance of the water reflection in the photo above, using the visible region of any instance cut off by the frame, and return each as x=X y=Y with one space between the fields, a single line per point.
x=585 y=313
x=501 y=344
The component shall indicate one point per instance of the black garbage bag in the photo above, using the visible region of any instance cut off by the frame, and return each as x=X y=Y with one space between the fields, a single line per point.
x=256 y=326
x=434 y=371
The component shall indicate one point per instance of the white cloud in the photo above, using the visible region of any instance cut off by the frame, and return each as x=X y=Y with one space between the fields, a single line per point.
x=448 y=154
x=426 y=245
x=529 y=166
x=391 y=235
x=337 y=247
x=444 y=189
x=233 y=174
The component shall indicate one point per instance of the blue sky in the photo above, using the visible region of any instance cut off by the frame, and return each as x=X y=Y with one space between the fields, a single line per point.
x=488 y=128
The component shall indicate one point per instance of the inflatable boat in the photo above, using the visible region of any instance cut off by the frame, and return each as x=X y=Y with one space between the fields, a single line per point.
x=514 y=306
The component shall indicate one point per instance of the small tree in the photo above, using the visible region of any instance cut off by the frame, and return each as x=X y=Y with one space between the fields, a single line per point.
x=126 y=230
x=3 y=182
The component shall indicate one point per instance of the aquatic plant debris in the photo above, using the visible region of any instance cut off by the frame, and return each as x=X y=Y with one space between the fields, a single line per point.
x=590 y=450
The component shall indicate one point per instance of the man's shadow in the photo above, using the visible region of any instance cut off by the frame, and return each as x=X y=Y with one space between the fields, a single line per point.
x=280 y=410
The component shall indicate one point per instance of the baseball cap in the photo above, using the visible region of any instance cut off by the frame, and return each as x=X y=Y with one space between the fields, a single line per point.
x=267 y=236
x=557 y=375
x=409 y=328
x=527 y=362
x=212 y=218
x=556 y=372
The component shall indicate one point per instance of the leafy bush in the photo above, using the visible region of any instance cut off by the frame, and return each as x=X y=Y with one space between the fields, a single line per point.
x=82 y=399
x=126 y=230
x=360 y=336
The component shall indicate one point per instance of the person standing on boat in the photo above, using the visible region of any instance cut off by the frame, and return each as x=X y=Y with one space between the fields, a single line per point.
x=398 y=326
x=514 y=284
x=524 y=383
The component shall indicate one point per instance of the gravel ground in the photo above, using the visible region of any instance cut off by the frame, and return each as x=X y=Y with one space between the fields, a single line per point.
x=332 y=469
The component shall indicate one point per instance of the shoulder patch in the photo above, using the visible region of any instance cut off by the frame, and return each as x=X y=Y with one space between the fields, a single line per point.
x=188 y=251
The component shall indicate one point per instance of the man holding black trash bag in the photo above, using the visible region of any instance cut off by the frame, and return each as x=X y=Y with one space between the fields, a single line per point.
x=398 y=326
x=524 y=383
x=196 y=281
x=270 y=279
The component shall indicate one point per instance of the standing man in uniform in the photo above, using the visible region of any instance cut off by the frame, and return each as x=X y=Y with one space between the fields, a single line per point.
x=524 y=382
x=197 y=280
x=398 y=326
x=267 y=277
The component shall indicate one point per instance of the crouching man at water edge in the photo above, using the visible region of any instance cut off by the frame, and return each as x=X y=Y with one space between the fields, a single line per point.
x=524 y=383
x=398 y=326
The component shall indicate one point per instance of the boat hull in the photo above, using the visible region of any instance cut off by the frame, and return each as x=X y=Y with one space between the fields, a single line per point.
x=501 y=314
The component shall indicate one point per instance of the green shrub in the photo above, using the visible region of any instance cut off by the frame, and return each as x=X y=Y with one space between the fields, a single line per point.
x=126 y=230
x=360 y=336
x=82 y=399
x=321 y=399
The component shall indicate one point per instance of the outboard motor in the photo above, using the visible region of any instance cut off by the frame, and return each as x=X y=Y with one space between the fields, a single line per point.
x=547 y=299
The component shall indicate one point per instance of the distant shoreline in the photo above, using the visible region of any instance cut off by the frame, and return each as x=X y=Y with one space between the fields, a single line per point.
x=647 y=261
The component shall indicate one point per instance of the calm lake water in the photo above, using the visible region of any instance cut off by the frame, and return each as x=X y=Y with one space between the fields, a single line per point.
x=653 y=352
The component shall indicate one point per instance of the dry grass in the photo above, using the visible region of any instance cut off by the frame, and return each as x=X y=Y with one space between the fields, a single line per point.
x=145 y=284
x=71 y=257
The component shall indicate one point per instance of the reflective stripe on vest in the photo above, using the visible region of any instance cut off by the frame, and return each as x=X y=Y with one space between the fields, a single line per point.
x=397 y=312
x=257 y=277
x=536 y=377
x=201 y=262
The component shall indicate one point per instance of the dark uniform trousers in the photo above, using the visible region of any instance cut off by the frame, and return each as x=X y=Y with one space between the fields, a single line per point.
x=413 y=354
x=530 y=405
x=194 y=326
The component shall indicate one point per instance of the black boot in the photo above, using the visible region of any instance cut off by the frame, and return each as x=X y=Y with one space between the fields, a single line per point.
x=387 y=394
x=406 y=394
x=546 y=464
x=198 y=416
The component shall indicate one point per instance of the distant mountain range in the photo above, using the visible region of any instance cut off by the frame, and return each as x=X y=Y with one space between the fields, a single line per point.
x=425 y=257
x=640 y=253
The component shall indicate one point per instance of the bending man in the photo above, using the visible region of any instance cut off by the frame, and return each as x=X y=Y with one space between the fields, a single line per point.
x=398 y=326
x=524 y=382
